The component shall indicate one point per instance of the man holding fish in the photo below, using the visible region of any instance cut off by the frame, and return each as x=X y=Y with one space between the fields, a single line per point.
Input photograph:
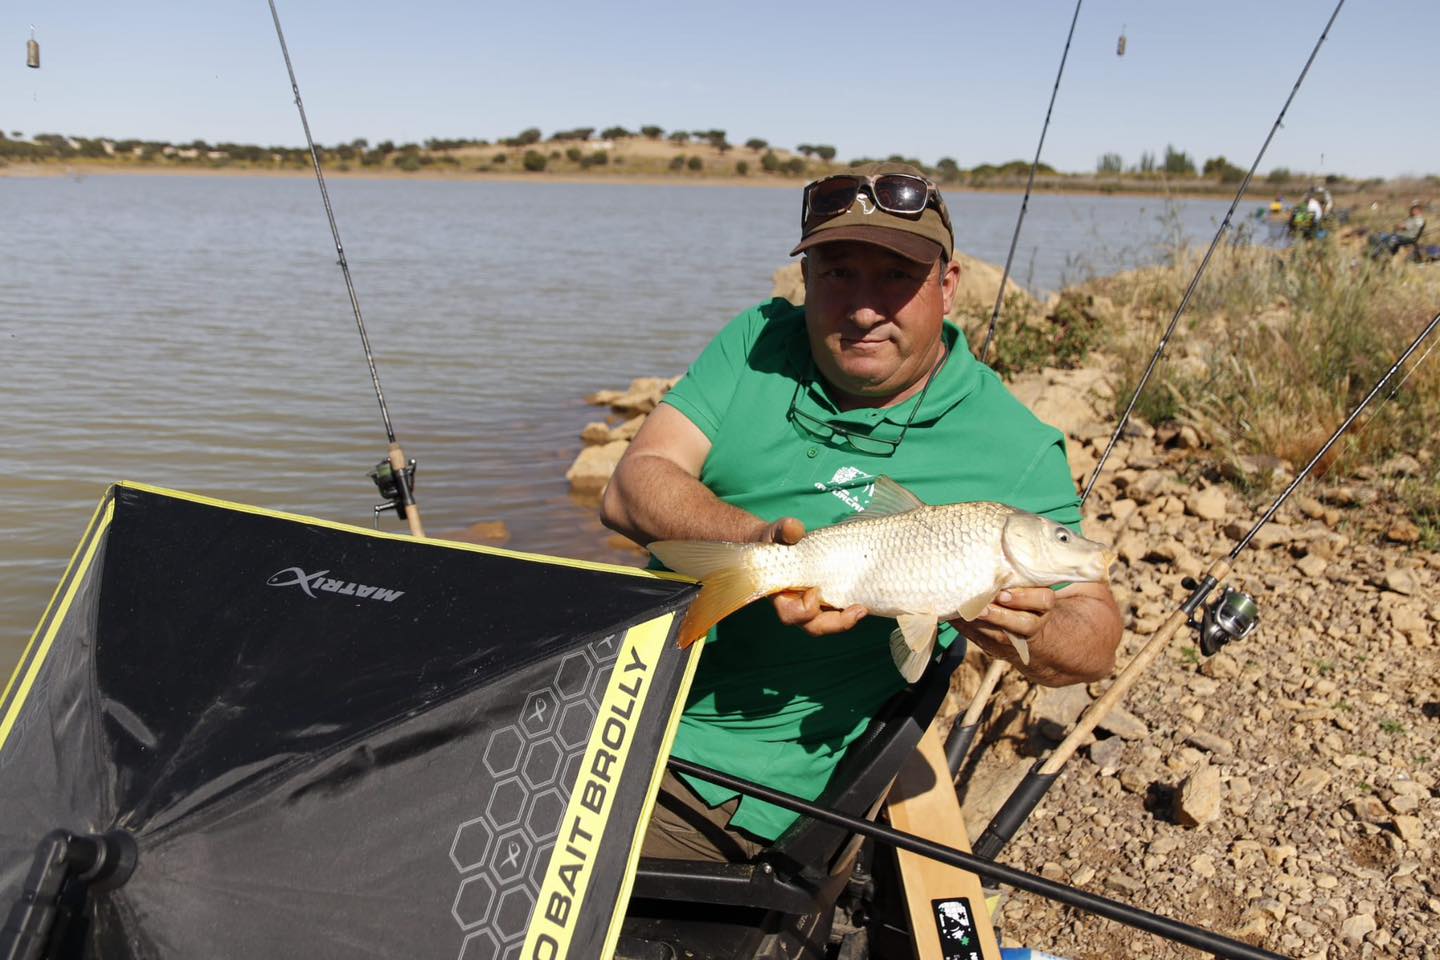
x=862 y=404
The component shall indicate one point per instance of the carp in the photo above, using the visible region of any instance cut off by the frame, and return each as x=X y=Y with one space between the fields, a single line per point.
x=898 y=558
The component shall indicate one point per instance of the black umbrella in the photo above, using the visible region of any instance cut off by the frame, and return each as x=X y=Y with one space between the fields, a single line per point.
x=327 y=742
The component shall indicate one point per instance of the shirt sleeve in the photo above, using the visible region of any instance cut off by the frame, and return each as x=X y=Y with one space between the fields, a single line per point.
x=704 y=393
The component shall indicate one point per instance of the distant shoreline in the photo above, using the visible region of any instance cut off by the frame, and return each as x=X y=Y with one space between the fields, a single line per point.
x=765 y=181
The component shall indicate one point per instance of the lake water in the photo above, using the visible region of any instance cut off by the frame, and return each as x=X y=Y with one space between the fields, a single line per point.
x=193 y=332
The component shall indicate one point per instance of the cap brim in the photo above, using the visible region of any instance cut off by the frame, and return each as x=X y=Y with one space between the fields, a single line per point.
x=908 y=245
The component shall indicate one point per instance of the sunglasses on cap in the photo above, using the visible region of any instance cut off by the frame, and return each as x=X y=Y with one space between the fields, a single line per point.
x=898 y=194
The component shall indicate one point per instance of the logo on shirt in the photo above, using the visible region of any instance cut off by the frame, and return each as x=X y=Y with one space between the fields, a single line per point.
x=850 y=484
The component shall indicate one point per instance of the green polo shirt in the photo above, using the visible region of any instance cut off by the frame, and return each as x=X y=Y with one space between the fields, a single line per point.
x=770 y=703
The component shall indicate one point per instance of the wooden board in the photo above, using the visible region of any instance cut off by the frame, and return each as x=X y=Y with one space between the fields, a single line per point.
x=923 y=802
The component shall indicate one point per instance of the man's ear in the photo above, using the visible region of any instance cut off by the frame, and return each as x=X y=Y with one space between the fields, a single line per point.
x=949 y=283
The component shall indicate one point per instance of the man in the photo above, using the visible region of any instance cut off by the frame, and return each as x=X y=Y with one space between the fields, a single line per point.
x=783 y=423
x=1406 y=234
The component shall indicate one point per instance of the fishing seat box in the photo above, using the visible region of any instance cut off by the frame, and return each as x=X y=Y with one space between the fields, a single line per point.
x=781 y=904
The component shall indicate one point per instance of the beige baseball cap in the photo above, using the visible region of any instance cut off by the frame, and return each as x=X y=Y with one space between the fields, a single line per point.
x=922 y=238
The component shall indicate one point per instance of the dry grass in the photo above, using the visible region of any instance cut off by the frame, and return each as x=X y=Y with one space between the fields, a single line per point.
x=1275 y=349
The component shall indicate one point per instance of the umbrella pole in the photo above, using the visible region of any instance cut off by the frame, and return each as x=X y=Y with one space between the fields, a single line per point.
x=65 y=867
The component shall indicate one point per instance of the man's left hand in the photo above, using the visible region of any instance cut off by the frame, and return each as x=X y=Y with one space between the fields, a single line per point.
x=1072 y=632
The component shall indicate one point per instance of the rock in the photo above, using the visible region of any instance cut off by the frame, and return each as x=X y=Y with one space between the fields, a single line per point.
x=1402 y=465
x=1309 y=782
x=1204 y=865
x=1403 y=531
x=1253 y=924
x=1310 y=507
x=1187 y=438
x=595 y=432
x=643 y=396
x=593 y=467
x=1057 y=708
x=1197 y=802
x=603 y=398
x=1312 y=566
x=1211 y=743
x=1107 y=754
x=1355 y=928
x=1131 y=548
x=1403 y=582
x=1135 y=779
x=1369 y=809
x=1222 y=666
x=1125 y=725
x=1124 y=511
x=628 y=429
x=1207 y=504
x=486 y=531
x=1410 y=829
x=1408 y=621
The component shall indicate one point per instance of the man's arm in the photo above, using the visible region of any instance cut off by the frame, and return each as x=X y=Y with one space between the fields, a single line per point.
x=656 y=494
x=1073 y=632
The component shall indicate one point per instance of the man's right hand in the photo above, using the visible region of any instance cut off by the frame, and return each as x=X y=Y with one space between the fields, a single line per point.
x=802 y=608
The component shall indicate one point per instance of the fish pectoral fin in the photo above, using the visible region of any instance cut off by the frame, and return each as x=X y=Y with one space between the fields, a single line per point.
x=972 y=608
x=912 y=643
x=918 y=629
x=1022 y=647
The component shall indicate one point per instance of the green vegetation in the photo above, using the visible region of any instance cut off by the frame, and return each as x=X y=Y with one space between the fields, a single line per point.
x=534 y=161
x=1063 y=336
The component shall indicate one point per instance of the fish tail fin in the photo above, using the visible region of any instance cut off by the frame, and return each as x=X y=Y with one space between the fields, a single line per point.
x=728 y=580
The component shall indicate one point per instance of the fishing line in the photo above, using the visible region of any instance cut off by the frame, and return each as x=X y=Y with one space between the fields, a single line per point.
x=396 y=482
x=1029 y=185
x=1315 y=460
x=962 y=734
x=1205 y=262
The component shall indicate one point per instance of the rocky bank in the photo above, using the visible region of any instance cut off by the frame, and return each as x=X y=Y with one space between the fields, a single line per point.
x=1285 y=791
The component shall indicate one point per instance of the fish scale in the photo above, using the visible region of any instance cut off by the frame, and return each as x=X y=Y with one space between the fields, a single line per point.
x=923 y=561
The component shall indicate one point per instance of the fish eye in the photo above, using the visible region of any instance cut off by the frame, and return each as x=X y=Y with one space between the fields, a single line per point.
x=1062 y=535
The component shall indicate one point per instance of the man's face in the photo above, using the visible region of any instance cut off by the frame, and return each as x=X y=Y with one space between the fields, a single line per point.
x=874 y=319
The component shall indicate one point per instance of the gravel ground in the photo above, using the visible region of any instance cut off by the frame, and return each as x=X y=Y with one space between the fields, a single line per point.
x=1283 y=792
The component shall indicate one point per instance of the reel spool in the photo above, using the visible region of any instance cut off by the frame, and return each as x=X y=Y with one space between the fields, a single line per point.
x=389 y=487
x=1233 y=616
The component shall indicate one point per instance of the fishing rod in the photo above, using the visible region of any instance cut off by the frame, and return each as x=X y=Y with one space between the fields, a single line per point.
x=1232 y=616
x=1212 y=943
x=1029 y=185
x=1205 y=262
x=395 y=475
x=962 y=735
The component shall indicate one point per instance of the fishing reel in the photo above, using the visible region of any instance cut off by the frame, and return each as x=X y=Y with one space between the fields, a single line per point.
x=1233 y=615
x=389 y=486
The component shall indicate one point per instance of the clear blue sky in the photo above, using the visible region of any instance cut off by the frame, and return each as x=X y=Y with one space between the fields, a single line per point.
x=960 y=79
